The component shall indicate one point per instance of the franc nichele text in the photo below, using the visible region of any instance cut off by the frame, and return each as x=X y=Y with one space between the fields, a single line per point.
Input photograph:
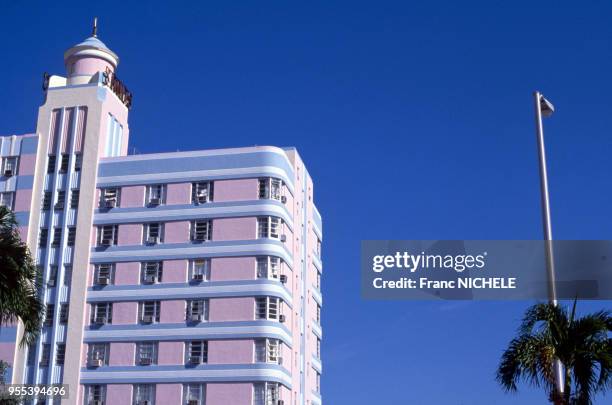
x=424 y=283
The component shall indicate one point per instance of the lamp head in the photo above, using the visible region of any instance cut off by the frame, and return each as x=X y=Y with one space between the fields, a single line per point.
x=546 y=107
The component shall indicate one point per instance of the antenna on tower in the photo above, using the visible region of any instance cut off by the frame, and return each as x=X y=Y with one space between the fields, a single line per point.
x=94 y=31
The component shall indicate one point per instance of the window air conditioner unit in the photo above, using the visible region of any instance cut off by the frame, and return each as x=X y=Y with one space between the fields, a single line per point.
x=194 y=360
x=102 y=281
x=284 y=200
x=44 y=362
x=199 y=237
x=150 y=279
x=8 y=173
x=110 y=203
x=100 y=320
x=106 y=242
x=195 y=317
x=198 y=277
x=155 y=201
x=51 y=282
x=283 y=279
x=281 y=318
x=146 y=361
x=280 y=360
x=58 y=206
x=95 y=363
x=283 y=238
x=147 y=319
x=202 y=196
x=152 y=240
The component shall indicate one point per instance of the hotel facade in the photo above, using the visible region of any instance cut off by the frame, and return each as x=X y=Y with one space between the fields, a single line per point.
x=169 y=278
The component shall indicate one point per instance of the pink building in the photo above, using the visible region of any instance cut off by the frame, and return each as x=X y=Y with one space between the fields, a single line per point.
x=171 y=278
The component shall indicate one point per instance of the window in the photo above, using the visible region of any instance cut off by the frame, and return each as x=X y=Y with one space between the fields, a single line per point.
x=197 y=310
x=63 y=316
x=268 y=267
x=317 y=381
x=156 y=194
x=67 y=274
x=43 y=237
x=45 y=354
x=107 y=235
x=318 y=347
x=64 y=163
x=102 y=313
x=268 y=227
x=61 y=200
x=267 y=308
x=78 y=162
x=201 y=192
x=200 y=269
x=197 y=352
x=109 y=197
x=195 y=394
x=52 y=275
x=144 y=394
x=60 y=354
x=318 y=280
x=318 y=318
x=57 y=237
x=151 y=272
x=267 y=351
x=74 y=198
x=270 y=188
x=149 y=311
x=46 y=202
x=71 y=236
x=201 y=230
x=265 y=393
x=146 y=353
x=51 y=164
x=153 y=233
x=6 y=199
x=98 y=354
x=95 y=395
x=318 y=251
x=104 y=274
x=10 y=166
x=49 y=314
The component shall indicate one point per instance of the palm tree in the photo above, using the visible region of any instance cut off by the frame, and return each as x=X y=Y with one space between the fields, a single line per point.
x=20 y=280
x=550 y=332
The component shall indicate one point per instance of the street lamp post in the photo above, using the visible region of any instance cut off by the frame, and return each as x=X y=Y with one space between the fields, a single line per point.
x=544 y=108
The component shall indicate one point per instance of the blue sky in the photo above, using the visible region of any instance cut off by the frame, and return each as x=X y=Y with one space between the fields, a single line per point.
x=415 y=120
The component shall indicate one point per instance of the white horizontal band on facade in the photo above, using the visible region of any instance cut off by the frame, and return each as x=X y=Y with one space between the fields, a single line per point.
x=181 y=176
x=134 y=294
x=199 y=153
x=174 y=375
x=198 y=249
x=316 y=294
x=316 y=364
x=316 y=328
x=317 y=262
x=218 y=332
x=168 y=214
x=317 y=230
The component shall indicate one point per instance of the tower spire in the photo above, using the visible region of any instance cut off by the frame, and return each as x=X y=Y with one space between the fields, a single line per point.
x=94 y=32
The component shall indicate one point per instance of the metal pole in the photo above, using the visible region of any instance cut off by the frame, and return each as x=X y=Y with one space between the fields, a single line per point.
x=550 y=263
